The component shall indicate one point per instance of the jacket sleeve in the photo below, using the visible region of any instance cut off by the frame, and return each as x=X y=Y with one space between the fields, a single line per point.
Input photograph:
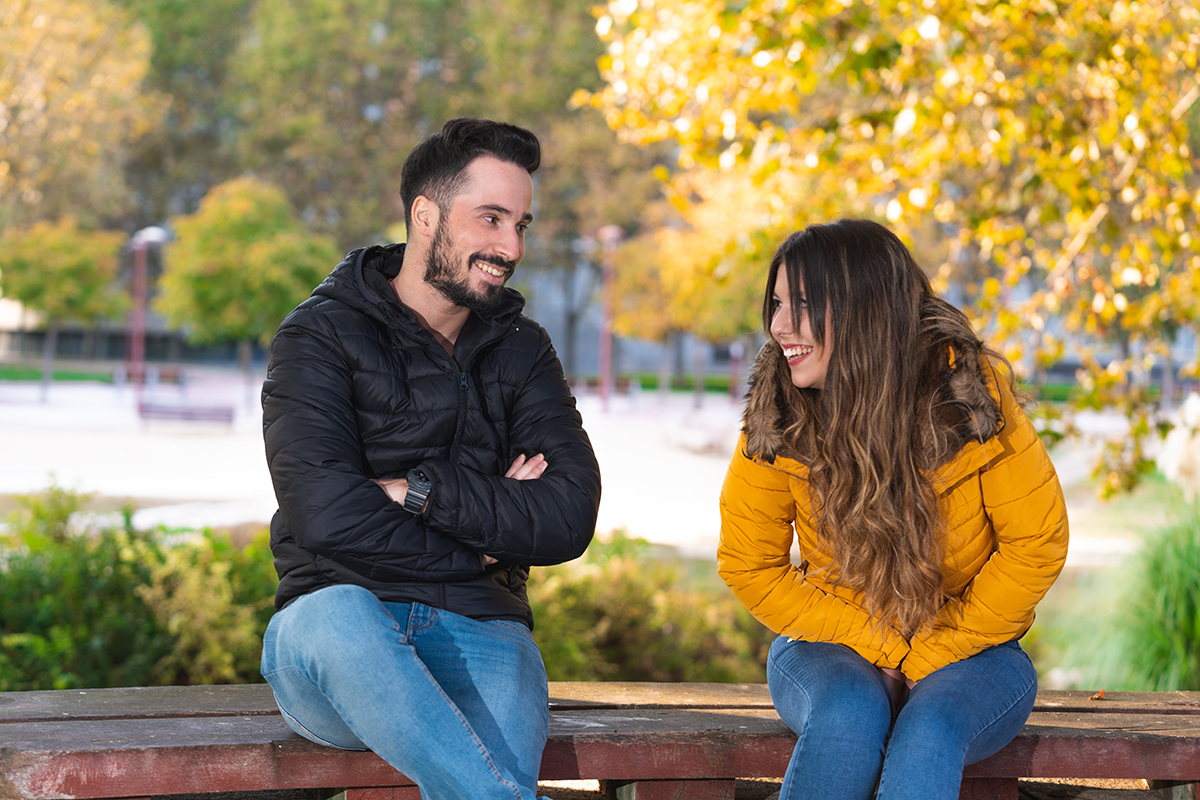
x=753 y=558
x=327 y=502
x=536 y=522
x=1024 y=502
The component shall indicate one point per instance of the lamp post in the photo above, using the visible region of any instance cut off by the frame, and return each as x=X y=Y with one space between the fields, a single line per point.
x=135 y=349
x=610 y=236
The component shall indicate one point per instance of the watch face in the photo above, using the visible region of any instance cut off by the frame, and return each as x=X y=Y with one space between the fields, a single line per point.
x=419 y=480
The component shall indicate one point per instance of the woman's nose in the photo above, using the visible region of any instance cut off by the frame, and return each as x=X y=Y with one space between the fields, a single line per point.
x=781 y=323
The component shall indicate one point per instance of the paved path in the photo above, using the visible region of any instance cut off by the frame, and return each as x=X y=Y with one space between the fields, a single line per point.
x=662 y=461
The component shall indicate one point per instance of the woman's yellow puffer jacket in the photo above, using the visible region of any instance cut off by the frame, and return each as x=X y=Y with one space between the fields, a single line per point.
x=1006 y=543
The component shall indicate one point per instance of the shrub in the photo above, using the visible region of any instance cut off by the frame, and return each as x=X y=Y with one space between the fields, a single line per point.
x=117 y=607
x=618 y=614
x=70 y=614
x=215 y=601
x=1161 y=622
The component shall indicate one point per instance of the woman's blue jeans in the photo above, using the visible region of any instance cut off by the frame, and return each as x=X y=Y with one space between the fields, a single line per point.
x=849 y=748
x=458 y=705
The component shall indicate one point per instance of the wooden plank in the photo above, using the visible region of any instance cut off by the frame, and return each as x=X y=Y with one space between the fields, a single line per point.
x=668 y=790
x=1100 y=746
x=620 y=694
x=391 y=793
x=257 y=699
x=1119 y=702
x=135 y=702
x=989 y=789
x=172 y=740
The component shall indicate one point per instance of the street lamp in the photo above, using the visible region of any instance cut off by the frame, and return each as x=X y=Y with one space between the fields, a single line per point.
x=135 y=349
x=610 y=236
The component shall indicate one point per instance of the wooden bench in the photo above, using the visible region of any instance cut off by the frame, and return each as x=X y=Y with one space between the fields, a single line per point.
x=645 y=741
x=160 y=411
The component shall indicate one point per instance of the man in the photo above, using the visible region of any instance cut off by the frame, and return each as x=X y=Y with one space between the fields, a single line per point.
x=425 y=451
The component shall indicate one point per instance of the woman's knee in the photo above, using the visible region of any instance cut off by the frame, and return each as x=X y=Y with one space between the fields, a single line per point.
x=828 y=688
x=973 y=707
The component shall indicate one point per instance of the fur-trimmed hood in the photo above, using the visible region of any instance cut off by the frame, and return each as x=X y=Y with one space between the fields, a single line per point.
x=971 y=387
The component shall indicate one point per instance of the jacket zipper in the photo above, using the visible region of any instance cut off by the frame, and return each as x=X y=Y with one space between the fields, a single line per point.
x=461 y=419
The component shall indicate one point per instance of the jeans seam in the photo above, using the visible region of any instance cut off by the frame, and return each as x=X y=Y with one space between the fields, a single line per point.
x=319 y=739
x=466 y=723
x=983 y=729
x=1001 y=715
x=808 y=699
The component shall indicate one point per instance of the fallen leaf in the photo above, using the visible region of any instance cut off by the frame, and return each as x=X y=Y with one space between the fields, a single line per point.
x=1097 y=696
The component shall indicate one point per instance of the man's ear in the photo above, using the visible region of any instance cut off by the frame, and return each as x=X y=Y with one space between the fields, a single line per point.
x=425 y=215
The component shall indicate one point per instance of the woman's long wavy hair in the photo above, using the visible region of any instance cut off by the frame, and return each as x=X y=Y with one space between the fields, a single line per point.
x=886 y=418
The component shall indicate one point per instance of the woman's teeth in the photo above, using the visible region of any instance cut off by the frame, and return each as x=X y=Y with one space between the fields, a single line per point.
x=797 y=351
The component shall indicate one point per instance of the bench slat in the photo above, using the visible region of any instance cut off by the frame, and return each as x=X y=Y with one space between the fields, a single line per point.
x=171 y=740
x=250 y=699
x=153 y=701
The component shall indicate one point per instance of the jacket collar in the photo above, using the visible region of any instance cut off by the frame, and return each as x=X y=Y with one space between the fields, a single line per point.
x=360 y=281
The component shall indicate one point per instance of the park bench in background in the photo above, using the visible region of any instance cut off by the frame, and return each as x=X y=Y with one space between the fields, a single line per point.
x=181 y=413
x=644 y=741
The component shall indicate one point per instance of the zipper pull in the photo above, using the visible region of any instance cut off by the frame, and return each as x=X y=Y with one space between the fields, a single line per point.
x=463 y=382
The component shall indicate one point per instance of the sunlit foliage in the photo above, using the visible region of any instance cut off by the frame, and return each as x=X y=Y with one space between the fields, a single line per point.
x=1037 y=154
x=71 y=105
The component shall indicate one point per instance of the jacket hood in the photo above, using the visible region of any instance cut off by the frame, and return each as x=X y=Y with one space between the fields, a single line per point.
x=360 y=281
x=768 y=403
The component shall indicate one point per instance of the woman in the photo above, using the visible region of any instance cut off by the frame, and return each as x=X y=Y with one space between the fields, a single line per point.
x=884 y=440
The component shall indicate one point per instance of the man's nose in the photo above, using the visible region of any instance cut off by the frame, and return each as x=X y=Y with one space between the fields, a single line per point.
x=511 y=245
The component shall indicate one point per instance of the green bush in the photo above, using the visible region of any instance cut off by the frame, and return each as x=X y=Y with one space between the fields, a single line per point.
x=70 y=614
x=215 y=601
x=619 y=614
x=117 y=607
x=1161 y=620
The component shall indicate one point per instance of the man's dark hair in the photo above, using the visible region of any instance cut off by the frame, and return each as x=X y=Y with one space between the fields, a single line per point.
x=436 y=168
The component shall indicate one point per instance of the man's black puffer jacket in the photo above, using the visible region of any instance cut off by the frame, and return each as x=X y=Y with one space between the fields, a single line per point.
x=358 y=389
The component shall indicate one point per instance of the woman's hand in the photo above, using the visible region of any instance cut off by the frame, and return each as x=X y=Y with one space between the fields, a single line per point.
x=897 y=684
x=522 y=469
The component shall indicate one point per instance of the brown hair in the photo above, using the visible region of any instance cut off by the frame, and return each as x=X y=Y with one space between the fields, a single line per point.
x=889 y=414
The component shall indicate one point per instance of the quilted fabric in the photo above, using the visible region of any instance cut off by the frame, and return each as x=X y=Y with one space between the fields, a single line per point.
x=1006 y=542
x=357 y=389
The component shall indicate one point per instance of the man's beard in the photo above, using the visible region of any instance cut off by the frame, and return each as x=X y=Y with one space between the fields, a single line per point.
x=441 y=273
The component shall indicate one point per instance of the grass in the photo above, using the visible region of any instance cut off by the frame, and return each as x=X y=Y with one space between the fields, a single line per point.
x=1089 y=633
x=21 y=372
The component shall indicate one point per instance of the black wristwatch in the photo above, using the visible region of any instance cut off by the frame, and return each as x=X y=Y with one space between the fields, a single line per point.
x=419 y=487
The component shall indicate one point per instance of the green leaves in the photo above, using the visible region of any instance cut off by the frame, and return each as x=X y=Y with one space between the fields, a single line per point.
x=62 y=271
x=71 y=107
x=240 y=264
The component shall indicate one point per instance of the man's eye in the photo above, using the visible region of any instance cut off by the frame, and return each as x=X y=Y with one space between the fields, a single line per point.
x=522 y=227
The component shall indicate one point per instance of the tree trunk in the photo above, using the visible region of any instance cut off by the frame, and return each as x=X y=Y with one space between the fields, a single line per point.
x=699 y=348
x=245 y=350
x=1167 y=401
x=665 y=363
x=49 y=344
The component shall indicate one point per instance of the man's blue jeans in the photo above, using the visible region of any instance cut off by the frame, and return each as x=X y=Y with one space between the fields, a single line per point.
x=849 y=748
x=457 y=705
